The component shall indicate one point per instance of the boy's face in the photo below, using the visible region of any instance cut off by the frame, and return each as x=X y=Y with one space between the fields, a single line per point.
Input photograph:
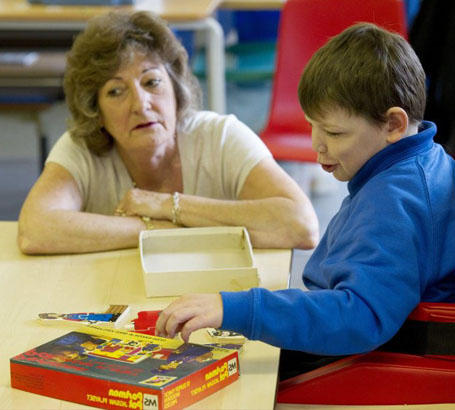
x=345 y=142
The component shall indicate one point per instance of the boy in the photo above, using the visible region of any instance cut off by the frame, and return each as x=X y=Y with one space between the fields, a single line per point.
x=391 y=245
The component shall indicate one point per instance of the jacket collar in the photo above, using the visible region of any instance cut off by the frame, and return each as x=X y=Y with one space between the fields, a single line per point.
x=399 y=151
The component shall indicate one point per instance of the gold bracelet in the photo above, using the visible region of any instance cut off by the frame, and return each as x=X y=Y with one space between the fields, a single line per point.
x=148 y=222
x=176 y=209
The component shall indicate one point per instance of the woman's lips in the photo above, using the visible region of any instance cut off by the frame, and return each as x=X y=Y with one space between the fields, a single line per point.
x=145 y=125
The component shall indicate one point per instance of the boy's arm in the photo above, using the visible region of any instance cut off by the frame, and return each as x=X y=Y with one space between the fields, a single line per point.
x=366 y=276
x=364 y=284
x=318 y=322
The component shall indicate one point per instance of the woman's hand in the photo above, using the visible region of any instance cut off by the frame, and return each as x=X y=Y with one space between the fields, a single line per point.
x=190 y=313
x=139 y=202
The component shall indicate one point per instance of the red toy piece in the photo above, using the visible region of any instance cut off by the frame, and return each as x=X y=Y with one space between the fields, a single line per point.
x=146 y=321
x=380 y=377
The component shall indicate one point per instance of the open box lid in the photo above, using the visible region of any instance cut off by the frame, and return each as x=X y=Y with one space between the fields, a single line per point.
x=178 y=261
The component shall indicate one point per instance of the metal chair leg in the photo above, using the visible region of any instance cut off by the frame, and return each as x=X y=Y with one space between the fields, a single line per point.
x=43 y=144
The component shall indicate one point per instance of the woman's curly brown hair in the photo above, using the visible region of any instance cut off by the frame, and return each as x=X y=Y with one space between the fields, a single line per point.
x=100 y=51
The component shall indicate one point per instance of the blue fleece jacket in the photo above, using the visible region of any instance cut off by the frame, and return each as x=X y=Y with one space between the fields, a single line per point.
x=390 y=246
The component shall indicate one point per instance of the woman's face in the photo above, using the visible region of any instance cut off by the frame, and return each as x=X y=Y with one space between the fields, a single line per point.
x=138 y=105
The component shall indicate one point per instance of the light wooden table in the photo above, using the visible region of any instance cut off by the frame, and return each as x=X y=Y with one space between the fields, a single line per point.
x=33 y=284
x=182 y=14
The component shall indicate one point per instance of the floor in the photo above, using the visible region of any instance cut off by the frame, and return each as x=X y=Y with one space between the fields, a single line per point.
x=19 y=166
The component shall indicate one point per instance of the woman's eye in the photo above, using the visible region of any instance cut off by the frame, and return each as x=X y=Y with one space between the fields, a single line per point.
x=153 y=82
x=333 y=134
x=114 y=92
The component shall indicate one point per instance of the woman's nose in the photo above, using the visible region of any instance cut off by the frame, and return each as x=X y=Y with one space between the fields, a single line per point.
x=140 y=100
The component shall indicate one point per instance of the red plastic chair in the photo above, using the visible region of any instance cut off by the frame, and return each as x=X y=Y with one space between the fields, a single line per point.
x=381 y=377
x=305 y=26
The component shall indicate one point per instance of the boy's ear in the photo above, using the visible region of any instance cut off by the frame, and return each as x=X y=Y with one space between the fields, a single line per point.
x=397 y=124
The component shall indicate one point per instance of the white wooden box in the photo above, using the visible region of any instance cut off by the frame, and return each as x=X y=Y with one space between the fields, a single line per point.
x=197 y=260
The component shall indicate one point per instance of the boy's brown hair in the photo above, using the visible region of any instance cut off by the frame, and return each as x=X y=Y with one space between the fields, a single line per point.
x=365 y=70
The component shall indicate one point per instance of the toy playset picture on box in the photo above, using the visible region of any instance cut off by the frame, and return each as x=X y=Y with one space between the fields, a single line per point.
x=113 y=369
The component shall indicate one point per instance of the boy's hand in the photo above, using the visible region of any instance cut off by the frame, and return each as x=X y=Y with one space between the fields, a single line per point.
x=190 y=313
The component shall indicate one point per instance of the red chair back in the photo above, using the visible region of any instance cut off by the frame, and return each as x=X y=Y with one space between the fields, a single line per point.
x=305 y=26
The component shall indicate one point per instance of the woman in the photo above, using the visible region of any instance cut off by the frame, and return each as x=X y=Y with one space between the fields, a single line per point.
x=138 y=155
